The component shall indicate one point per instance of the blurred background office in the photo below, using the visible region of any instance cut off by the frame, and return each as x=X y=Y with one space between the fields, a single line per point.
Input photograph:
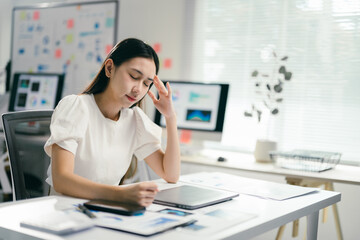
x=318 y=108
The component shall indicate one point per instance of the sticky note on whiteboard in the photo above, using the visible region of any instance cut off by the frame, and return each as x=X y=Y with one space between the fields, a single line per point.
x=167 y=63
x=36 y=15
x=157 y=47
x=58 y=53
x=70 y=23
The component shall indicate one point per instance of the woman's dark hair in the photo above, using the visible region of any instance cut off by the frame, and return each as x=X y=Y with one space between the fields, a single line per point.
x=122 y=52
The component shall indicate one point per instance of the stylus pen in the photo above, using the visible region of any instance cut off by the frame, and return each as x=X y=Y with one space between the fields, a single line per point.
x=86 y=211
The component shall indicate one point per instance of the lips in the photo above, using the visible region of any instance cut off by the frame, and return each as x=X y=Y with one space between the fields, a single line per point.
x=131 y=99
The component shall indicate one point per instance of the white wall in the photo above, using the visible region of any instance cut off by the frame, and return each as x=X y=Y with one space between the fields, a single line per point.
x=159 y=22
x=154 y=22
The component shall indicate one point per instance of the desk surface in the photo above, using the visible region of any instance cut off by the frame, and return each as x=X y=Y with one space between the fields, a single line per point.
x=270 y=214
x=246 y=162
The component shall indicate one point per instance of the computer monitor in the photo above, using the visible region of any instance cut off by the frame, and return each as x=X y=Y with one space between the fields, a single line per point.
x=38 y=91
x=199 y=106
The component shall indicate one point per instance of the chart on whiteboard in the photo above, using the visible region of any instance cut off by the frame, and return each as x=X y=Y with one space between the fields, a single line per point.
x=71 y=39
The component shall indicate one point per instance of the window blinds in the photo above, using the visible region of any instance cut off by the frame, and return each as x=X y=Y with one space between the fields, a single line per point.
x=321 y=104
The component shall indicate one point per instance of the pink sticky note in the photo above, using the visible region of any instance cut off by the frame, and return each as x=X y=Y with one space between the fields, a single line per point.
x=185 y=136
x=70 y=23
x=58 y=53
x=157 y=47
x=108 y=49
x=36 y=15
x=167 y=63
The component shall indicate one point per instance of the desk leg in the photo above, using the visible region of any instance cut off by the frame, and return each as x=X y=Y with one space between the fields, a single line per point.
x=295 y=231
x=336 y=216
x=280 y=232
x=312 y=225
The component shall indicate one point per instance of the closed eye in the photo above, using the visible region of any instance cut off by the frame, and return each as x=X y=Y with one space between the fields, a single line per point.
x=147 y=83
x=133 y=77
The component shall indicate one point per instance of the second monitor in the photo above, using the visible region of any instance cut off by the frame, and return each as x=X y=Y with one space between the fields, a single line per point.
x=32 y=91
x=199 y=106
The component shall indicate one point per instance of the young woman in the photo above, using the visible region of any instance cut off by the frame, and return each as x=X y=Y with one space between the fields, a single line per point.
x=95 y=135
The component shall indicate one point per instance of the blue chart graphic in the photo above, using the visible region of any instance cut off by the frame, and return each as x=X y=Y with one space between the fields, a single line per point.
x=198 y=115
x=195 y=97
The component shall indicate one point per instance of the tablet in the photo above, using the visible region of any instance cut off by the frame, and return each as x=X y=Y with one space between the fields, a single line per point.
x=192 y=197
x=114 y=207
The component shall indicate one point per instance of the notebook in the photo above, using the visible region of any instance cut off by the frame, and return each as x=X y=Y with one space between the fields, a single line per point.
x=192 y=197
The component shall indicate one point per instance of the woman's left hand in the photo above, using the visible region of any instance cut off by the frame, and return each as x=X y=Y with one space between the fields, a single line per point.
x=164 y=104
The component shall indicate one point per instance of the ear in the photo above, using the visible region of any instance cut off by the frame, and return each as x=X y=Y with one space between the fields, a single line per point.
x=109 y=67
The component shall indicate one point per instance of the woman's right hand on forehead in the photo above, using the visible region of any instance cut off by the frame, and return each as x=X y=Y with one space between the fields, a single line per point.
x=164 y=104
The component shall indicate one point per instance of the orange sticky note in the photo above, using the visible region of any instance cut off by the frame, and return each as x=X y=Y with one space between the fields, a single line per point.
x=185 y=136
x=70 y=23
x=58 y=53
x=36 y=15
x=167 y=63
x=157 y=47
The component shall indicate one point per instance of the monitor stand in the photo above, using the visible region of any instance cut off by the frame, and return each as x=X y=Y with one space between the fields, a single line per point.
x=191 y=149
x=192 y=142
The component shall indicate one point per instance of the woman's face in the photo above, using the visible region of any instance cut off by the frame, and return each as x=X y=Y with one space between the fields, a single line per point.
x=131 y=80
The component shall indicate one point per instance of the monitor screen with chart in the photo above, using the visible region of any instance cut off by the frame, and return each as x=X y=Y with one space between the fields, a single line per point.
x=199 y=106
x=35 y=91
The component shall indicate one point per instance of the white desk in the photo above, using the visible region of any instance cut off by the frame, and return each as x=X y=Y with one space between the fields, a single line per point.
x=246 y=162
x=240 y=162
x=270 y=214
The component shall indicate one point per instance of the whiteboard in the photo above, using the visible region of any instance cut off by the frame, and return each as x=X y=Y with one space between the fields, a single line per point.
x=64 y=38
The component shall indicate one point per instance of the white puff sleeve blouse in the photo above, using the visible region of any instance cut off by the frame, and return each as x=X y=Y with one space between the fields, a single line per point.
x=102 y=148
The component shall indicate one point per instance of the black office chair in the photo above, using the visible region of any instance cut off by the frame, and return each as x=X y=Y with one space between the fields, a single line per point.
x=25 y=135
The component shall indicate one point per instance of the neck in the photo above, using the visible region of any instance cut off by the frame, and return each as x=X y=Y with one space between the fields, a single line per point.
x=107 y=106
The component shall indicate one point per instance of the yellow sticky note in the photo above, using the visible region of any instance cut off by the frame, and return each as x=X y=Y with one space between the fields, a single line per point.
x=69 y=38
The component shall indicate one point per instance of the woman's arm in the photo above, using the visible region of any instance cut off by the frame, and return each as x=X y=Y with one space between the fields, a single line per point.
x=68 y=183
x=166 y=165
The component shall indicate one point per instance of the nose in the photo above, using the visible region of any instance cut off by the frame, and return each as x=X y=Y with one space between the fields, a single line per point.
x=137 y=89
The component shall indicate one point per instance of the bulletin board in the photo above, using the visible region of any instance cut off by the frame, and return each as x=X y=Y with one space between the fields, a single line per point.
x=64 y=38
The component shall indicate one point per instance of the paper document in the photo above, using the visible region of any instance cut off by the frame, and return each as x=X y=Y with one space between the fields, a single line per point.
x=58 y=222
x=259 y=188
x=146 y=224
x=215 y=219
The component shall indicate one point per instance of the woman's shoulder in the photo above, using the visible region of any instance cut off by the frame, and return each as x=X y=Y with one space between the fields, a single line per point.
x=73 y=98
x=74 y=104
x=139 y=113
x=143 y=121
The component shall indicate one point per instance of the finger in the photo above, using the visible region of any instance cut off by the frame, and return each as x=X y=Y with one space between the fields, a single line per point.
x=168 y=88
x=152 y=96
x=146 y=199
x=148 y=194
x=160 y=85
x=149 y=186
x=145 y=203
x=152 y=190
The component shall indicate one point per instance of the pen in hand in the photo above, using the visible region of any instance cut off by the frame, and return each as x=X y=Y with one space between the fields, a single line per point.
x=86 y=211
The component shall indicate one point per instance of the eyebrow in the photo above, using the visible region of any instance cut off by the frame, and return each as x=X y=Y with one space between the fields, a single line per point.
x=141 y=73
